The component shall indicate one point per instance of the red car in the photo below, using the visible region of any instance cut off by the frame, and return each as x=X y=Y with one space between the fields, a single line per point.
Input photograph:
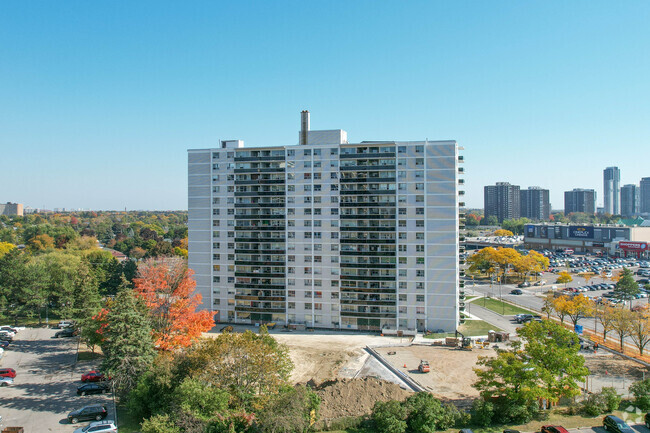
x=7 y=372
x=93 y=376
x=553 y=429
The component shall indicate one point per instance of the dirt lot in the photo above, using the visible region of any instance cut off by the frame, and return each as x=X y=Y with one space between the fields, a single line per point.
x=324 y=356
x=451 y=374
x=612 y=370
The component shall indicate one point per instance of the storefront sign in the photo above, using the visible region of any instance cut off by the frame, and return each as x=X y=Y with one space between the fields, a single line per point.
x=633 y=246
x=581 y=232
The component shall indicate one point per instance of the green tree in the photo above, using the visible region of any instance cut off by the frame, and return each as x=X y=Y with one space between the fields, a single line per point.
x=641 y=392
x=626 y=287
x=389 y=417
x=426 y=414
x=128 y=345
x=294 y=409
x=203 y=402
x=251 y=367
x=155 y=389
x=159 y=424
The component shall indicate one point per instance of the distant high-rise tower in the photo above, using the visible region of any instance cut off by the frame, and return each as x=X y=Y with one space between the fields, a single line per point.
x=644 y=195
x=580 y=200
x=502 y=201
x=629 y=200
x=612 y=190
x=535 y=203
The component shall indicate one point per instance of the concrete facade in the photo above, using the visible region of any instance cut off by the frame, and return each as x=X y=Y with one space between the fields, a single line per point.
x=11 y=209
x=328 y=234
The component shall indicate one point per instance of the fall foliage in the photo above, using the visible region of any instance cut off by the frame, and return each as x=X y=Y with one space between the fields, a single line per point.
x=167 y=288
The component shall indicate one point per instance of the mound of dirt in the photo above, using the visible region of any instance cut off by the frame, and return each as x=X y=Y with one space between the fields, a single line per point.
x=354 y=397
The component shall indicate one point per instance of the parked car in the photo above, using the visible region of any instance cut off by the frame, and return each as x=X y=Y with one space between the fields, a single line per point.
x=7 y=372
x=5 y=381
x=65 y=324
x=9 y=328
x=66 y=333
x=520 y=318
x=4 y=344
x=86 y=413
x=105 y=426
x=93 y=388
x=7 y=332
x=516 y=292
x=524 y=284
x=6 y=337
x=614 y=424
x=553 y=429
x=93 y=376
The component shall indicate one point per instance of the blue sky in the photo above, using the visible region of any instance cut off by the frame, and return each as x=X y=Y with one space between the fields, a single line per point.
x=99 y=101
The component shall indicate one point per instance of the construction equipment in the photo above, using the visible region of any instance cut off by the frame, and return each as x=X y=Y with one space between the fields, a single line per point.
x=424 y=366
x=465 y=343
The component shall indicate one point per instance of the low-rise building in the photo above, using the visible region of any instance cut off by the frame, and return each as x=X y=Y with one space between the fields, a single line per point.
x=613 y=240
x=12 y=209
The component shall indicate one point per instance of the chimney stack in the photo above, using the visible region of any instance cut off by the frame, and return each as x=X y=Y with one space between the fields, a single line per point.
x=304 y=126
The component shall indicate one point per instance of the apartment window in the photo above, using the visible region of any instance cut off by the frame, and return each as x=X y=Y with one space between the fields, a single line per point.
x=402 y=298
x=216 y=155
x=317 y=211
x=291 y=153
x=419 y=298
x=216 y=268
x=419 y=236
x=419 y=211
x=291 y=235
x=317 y=152
x=291 y=188
x=318 y=295
x=230 y=177
x=318 y=235
x=231 y=211
x=231 y=245
x=216 y=223
x=334 y=187
x=334 y=211
x=402 y=211
x=307 y=188
x=419 y=187
x=402 y=272
x=401 y=223
x=291 y=211
x=307 y=259
x=307 y=152
x=419 y=260
x=231 y=188
x=307 y=211
x=419 y=199
x=334 y=151
x=334 y=199
x=307 y=200
x=307 y=305
x=231 y=200
x=334 y=247
x=307 y=175
x=317 y=164
x=419 y=161
x=334 y=259
x=231 y=223
x=216 y=279
x=231 y=257
x=334 y=283
x=216 y=189
x=291 y=258
x=419 y=149
x=216 y=234
x=402 y=248
x=333 y=175
x=307 y=164
x=291 y=176
x=335 y=235
x=419 y=286
x=419 y=248
x=419 y=273
x=318 y=247
x=215 y=211
x=215 y=166
x=401 y=174
x=291 y=270
x=334 y=164
x=317 y=188
x=402 y=236
x=216 y=256
x=317 y=200
x=419 y=223
x=291 y=282
x=231 y=234
x=231 y=280
x=403 y=285
x=307 y=223
x=402 y=260
x=419 y=174
x=401 y=149
x=317 y=223
x=292 y=305
x=291 y=293
x=308 y=292
x=307 y=235
x=291 y=223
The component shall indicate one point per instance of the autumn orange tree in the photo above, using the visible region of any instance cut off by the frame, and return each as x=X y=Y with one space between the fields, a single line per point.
x=167 y=288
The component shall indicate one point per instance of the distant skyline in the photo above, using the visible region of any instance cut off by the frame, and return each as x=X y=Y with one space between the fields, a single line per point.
x=101 y=100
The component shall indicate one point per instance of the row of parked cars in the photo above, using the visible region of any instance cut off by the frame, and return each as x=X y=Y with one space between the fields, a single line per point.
x=611 y=423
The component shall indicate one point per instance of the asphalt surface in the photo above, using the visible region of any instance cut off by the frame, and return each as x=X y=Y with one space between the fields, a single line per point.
x=44 y=390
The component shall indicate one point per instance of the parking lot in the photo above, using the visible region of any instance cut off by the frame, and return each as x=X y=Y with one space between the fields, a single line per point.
x=44 y=390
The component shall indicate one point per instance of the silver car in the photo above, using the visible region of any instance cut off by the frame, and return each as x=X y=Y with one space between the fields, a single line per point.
x=105 y=426
x=6 y=381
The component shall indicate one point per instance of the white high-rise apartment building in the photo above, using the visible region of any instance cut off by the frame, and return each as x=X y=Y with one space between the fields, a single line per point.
x=612 y=190
x=327 y=233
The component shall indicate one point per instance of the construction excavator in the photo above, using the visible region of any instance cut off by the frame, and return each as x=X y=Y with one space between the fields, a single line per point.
x=464 y=343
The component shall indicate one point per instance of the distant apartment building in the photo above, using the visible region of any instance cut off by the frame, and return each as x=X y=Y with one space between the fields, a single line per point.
x=327 y=233
x=644 y=196
x=630 y=200
x=612 y=190
x=535 y=203
x=580 y=200
x=13 y=209
x=502 y=201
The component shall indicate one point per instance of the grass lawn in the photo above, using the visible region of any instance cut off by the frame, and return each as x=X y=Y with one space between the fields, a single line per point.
x=471 y=328
x=501 y=307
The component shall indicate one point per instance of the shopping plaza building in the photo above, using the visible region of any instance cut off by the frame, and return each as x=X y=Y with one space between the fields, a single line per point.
x=327 y=233
x=608 y=239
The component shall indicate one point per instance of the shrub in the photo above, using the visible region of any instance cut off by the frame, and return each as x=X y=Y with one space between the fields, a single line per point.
x=593 y=405
x=482 y=412
x=641 y=392
x=389 y=417
x=611 y=397
x=292 y=410
x=159 y=424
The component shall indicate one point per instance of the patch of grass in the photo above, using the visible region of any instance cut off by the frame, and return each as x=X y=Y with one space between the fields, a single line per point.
x=502 y=308
x=88 y=356
x=126 y=422
x=471 y=328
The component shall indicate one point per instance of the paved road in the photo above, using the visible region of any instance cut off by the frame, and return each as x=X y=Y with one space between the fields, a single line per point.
x=44 y=390
x=504 y=322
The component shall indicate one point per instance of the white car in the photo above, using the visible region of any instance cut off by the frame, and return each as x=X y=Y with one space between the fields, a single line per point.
x=105 y=426
x=5 y=381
